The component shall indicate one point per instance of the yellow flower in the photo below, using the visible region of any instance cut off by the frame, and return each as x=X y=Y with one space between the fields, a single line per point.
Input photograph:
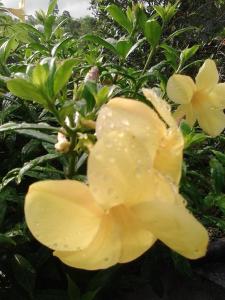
x=132 y=198
x=202 y=101
x=18 y=12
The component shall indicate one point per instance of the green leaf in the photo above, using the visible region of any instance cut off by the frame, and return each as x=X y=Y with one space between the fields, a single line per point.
x=39 y=75
x=90 y=295
x=72 y=289
x=18 y=126
x=6 y=241
x=25 y=90
x=101 y=42
x=220 y=202
x=120 y=17
x=123 y=47
x=24 y=273
x=185 y=128
x=6 y=48
x=153 y=32
x=220 y=156
x=218 y=174
x=49 y=23
x=102 y=95
x=188 y=53
x=61 y=46
x=51 y=7
x=179 y=32
x=37 y=161
x=38 y=135
x=63 y=74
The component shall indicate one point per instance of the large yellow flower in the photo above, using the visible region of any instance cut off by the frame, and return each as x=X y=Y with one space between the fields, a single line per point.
x=132 y=197
x=202 y=101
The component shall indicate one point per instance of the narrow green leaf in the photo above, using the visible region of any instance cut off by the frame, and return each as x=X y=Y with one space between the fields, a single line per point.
x=220 y=156
x=63 y=74
x=120 y=17
x=99 y=41
x=123 y=47
x=31 y=164
x=187 y=53
x=5 y=241
x=6 y=48
x=61 y=45
x=51 y=7
x=18 y=126
x=72 y=289
x=218 y=175
x=179 y=32
x=24 y=273
x=153 y=32
x=38 y=135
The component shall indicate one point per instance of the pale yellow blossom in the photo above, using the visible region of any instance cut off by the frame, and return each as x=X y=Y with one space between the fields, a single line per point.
x=202 y=100
x=132 y=198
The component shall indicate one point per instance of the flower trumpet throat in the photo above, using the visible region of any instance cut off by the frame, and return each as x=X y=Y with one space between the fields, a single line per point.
x=132 y=198
x=202 y=100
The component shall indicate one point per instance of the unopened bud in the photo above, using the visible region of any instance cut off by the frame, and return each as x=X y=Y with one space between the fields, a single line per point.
x=92 y=75
x=63 y=145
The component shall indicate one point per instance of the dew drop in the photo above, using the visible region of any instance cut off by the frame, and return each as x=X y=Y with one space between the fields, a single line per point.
x=126 y=122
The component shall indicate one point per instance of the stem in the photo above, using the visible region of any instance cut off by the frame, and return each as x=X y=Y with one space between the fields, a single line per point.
x=72 y=156
x=152 y=52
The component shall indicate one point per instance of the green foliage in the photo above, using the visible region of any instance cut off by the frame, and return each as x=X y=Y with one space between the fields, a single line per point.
x=48 y=61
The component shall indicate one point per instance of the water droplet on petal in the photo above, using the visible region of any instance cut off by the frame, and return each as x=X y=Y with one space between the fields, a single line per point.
x=126 y=122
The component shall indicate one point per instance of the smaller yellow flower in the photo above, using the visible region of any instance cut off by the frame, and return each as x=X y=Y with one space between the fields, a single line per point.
x=202 y=101
x=18 y=12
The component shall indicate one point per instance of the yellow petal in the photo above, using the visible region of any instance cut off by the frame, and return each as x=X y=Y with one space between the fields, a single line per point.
x=135 y=238
x=166 y=216
x=191 y=115
x=103 y=252
x=180 y=112
x=62 y=214
x=207 y=76
x=19 y=13
x=161 y=106
x=180 y=89
x=211 y=120
x=169 y=157
x=217 y=96
x=118 y=168
x=130 y=115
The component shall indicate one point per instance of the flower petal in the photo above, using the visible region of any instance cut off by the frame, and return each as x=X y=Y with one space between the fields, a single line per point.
x=212 y=121
x=103 y=252
x=217 y=96
x=166 y=216
x=179 y=113
x=169 y=157
x=118 y=168
x=130 y=115
x=62 y=214
x=191 y=115
x=135 y=238
x=208 y=76
x=161 y=106
x=180 y=88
